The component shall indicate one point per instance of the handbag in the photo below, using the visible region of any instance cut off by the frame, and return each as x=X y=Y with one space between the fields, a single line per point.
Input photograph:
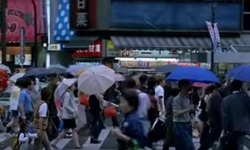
x=74 y=114
x=158 y=130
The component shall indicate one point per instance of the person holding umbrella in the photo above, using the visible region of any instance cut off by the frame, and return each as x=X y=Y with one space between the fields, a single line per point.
x=69 y=111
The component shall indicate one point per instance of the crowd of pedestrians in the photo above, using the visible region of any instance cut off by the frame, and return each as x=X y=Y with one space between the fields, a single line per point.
x=153 y=110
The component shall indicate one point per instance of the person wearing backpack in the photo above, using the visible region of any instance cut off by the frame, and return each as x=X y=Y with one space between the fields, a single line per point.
x=21 y=140
x=41 y=115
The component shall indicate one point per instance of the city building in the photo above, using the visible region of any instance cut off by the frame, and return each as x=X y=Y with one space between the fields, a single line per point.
x=162 y=31
x=23 y=36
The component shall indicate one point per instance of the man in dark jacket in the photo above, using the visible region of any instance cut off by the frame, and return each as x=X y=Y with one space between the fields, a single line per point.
x=54 y=120
x=212 y=130
x=235 y=117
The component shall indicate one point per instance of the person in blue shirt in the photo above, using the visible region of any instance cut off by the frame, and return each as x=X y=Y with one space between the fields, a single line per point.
x=25 y=103
x=131 y=129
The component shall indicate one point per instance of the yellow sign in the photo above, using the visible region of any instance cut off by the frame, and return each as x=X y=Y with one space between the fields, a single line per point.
x=110 y=45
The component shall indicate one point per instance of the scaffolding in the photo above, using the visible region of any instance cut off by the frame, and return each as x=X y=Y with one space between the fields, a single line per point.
x=239 y=49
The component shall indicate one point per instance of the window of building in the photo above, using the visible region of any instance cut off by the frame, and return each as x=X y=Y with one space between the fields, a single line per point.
x=246 y=22
x=246 y=5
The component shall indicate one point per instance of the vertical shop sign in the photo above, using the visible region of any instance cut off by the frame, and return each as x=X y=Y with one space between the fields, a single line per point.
x=79 y=14
x=22 y=45
x=44 y=16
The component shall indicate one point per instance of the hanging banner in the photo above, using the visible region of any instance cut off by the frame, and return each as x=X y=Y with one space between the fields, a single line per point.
x=20 y=13
x=217 y=38
x=214 y=35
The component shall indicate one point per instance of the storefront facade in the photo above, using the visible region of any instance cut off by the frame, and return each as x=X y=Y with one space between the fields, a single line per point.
x=19 y=16
x=75 y=47
x=146 y=29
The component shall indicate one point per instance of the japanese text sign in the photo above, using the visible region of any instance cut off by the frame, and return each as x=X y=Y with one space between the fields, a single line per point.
x=79 y=14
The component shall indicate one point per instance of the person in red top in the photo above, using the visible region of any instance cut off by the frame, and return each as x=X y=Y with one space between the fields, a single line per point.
x=3 y=80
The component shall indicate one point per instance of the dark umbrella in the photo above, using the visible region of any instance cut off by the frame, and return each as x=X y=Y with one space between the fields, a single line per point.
x=58 y=70
x=167 y=68
x=38 y=72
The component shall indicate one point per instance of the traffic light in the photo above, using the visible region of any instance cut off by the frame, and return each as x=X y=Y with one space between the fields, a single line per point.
x=44 y=39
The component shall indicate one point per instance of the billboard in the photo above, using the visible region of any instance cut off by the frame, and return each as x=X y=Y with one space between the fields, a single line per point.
x=180 y=16
x=221 y=1
x=20 y=14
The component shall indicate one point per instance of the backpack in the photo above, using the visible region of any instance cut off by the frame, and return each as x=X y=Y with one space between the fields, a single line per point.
x=15 y=144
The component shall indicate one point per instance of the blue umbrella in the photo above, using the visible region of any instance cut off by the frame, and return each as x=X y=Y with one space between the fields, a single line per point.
x=194 y=74
x=241 y=73
x=37 y=72
x=167 y=68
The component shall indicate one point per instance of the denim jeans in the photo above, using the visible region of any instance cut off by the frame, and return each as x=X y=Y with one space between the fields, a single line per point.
x=183 y=135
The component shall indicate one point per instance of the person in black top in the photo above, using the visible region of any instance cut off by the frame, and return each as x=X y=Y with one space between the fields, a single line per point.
x=94 y=117
x=54 y=120
x=143 y=80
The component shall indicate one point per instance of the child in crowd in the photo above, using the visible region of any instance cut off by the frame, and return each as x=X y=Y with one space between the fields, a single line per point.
x=21 y=141
x=131 y=133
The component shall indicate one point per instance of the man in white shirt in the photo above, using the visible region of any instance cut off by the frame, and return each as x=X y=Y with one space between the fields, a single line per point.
x=14 y=99
x=159 y=92
x=144 y=103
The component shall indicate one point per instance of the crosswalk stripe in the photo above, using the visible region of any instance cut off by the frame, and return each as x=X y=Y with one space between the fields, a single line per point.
x=61 y=144
x=103 y=135
x=4 y=136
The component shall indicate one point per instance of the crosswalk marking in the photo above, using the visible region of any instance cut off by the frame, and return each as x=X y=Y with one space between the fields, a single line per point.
x=103 y=135
x=87 y=145
x=4 y=136
x=63 y=142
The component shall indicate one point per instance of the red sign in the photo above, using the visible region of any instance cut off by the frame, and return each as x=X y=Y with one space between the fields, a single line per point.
x=94 y=50
x=20 y=14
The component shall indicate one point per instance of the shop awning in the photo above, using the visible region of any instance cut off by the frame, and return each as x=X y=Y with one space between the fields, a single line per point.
x=79 y=43
x=171 y=42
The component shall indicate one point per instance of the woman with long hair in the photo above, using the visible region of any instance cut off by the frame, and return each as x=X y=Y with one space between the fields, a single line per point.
x=69 y=116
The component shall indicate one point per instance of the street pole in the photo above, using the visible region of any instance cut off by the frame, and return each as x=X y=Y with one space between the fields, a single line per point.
x=212 y=22
x=35 y=33
x=3 y=30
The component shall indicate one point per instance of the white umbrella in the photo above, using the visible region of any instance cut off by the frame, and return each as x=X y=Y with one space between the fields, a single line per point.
x=62 y=88
x=96 y=80
x=4 y=67
x=16 y=76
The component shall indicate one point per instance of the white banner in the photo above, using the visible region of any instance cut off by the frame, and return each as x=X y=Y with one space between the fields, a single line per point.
x=215 y=36
x=217 y=39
